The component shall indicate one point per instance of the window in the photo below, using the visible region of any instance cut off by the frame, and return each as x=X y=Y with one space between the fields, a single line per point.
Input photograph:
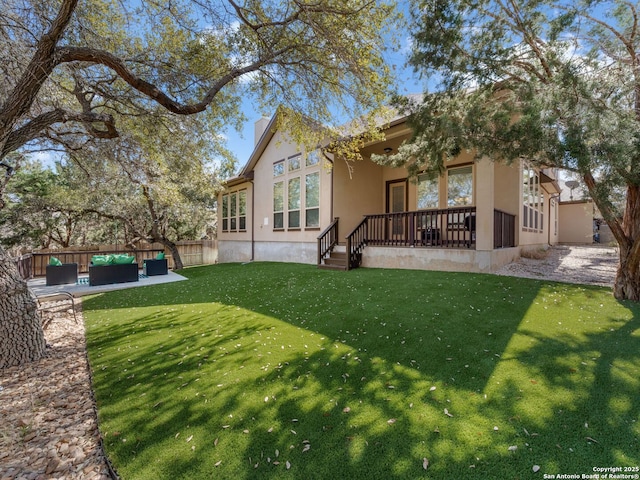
x=234 y=211
x=233 y=220
x=532 y=200
x=312 y=200
x=293 y=192
x=278 y=205
x=427 y=192
x=242 y=210
x=296 y=192
x=294 y=163
x=225 y=213
x=313 y=159
x=460 y=186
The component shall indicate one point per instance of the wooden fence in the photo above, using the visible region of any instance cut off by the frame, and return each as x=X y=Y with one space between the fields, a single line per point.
x=202 y=252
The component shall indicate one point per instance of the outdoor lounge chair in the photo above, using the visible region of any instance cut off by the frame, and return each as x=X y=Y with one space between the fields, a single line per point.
x=51 y=301
x=156 y=266
x=62 y=274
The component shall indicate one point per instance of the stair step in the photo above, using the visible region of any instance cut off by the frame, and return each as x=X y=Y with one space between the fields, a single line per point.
x=338 y=255
x=335 y=261
x=325 y=266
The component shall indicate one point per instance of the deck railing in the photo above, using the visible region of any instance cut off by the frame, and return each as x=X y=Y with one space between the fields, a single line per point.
x=444 y=228
x=327 y=240
x=356 y=241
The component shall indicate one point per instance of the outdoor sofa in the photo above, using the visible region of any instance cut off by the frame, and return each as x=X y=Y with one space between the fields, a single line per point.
x=105 y=270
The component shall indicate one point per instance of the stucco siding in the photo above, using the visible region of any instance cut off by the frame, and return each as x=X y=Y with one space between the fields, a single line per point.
x=451 y=260
x=234 y=251
x=576 y=222
x=293 y=252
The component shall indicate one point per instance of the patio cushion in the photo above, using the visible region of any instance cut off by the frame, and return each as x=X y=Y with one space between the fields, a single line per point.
x=101 y=260
x=122 y=259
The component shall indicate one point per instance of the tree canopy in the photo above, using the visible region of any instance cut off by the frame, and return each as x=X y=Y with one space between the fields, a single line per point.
x=72 y=67
x=74 y=71
x=553 y=82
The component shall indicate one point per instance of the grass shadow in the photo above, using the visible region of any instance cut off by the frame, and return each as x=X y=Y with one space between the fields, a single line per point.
x=362 y=375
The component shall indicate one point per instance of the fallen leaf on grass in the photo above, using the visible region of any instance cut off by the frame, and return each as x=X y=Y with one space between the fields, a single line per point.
x=425 y=463
x=215 y=442
x=217 y=464
x=513 y=448
x=391 y=421
x=446 y=412
x=536 y=468
x=432 y=389
x=288 y=465
x=189 y=438
x=346 y=410
x=592 y=440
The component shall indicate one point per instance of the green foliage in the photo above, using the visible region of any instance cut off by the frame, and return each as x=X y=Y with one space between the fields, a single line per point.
x=543 y=80
x=112 y=59
x=270 y=370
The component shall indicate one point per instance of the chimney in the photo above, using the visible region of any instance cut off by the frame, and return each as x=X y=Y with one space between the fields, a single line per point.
x=260 y=127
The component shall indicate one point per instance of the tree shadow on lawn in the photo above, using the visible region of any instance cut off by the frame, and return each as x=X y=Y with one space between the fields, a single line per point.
x=344 y=388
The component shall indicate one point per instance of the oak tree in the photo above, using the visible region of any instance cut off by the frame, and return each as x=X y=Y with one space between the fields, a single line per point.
x=71 y=68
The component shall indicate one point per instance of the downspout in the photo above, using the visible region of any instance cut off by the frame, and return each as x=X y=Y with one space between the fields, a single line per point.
x=253 y=218
x=250 y=176
x=551 y=199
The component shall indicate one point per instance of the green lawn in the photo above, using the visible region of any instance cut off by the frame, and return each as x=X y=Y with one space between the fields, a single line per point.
x=270 y=370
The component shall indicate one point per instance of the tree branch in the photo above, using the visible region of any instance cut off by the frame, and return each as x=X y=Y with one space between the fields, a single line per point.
x=90 y=55
x=34 y=128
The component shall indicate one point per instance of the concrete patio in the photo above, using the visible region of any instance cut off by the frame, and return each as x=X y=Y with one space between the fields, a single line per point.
x=40 y=289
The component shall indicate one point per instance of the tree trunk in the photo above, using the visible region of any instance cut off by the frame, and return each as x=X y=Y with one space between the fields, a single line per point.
x=627 y=233
x=173 y=248
x=21 y=335
x=627 y=283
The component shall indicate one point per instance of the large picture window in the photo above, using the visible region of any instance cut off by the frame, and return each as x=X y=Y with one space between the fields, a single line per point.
x=460 y=186
x=428 y=196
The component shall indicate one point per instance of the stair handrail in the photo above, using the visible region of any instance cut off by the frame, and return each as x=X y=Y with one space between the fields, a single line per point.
x=327 y=239
x=356 y=241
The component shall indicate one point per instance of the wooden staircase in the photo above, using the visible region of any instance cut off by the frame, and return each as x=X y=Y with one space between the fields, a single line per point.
x=337 y=259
